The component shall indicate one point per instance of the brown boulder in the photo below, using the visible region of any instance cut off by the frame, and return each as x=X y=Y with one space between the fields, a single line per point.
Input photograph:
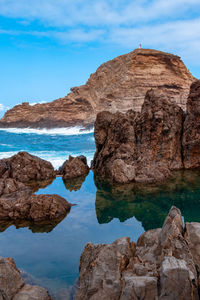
x=119 y=84
x=141 y=147
x=13 y=287
x=34 y=208
x=159 y=266
x=191 y=132
x=26 y=168
x=74 y=167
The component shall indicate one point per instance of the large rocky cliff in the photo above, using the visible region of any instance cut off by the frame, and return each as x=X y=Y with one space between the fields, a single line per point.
x=119 y=84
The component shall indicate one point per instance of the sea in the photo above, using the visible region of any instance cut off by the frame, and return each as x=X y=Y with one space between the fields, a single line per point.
x=49 y=256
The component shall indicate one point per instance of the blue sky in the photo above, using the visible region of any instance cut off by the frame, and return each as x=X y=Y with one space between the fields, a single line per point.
x=48 y=46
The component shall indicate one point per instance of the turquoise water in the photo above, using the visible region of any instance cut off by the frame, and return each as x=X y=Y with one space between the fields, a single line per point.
x=102 y=213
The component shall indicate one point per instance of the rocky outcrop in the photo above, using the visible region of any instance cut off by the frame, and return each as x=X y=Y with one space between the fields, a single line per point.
x=74 y=167
x=191 y=135
x=161 y=265
x=35 y=208
x=119 y=84
x=141 y=147
x=26 y=168
x=13 y=287
x=147 y=146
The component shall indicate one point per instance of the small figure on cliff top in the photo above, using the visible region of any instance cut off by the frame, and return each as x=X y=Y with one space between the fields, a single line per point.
x=140 y=46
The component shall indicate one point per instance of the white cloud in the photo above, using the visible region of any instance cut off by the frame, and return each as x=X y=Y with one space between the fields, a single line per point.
x=3 y=107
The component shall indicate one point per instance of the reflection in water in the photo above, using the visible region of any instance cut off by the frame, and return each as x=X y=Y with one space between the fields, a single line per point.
x=150 y=203
x=36 y=227
x=74 y=184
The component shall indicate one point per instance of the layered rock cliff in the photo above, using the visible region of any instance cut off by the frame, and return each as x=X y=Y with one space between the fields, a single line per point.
x=147 y=146
x=119 y=84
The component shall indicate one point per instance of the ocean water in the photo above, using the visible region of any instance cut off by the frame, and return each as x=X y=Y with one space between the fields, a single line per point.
x=49 y=256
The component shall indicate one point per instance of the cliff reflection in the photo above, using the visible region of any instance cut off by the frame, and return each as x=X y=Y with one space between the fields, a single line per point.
x=150 y=203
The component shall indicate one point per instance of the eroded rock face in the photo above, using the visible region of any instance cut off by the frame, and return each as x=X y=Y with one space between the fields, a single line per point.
x=13 y=287
x=191 y=135
x=74 y=167
x=160 y=266
x=141 y=147
x=119 y=84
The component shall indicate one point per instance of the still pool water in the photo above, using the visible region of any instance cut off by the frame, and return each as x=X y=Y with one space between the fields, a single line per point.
x=103 y=213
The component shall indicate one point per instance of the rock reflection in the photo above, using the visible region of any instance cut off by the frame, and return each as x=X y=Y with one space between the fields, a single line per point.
x=150 y=203
x=74 y=184
x=36 y=227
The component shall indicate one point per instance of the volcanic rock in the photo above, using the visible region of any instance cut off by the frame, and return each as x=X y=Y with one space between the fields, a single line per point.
x=159 y=266
x=119 y=84
x=141 y=147
x=191 y=131
x=13 y=287
x=74 y=167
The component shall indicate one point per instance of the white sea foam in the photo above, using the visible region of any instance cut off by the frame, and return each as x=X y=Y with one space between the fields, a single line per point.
x=57 y=158
x=53 y=131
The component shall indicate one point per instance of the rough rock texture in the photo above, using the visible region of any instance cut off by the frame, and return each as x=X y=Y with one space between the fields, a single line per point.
x=34 y=208
x=13 y=287
x=119 y=84
x=25 y=168
x=160 y=266
x=74 y=167
x=191 y=135
x=141 y=147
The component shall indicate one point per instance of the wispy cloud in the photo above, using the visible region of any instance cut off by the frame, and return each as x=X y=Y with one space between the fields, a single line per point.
x=3 y=107
x=168 y=25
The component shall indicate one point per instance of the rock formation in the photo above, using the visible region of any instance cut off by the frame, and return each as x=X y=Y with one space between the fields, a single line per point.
x=163 y=264
x=26 y=168
x=119 y=84
x=74 y=167
x=13 y=287
x=147 y=146
x=139 y=147
x=191 y=131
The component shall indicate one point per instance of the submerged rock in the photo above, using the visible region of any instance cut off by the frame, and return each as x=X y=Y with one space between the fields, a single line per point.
x=13 y=287
x=162 y=265
x=74 y=167
x=119 y=84
x=139 y=147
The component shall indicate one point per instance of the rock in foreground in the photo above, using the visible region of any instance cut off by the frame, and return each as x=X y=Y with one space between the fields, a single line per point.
x=13 y=287
x=74 y=167
x=162 y=265
x=119 y=84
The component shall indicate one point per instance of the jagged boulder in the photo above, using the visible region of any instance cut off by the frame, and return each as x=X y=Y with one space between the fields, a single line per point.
x=141 y=147
x=191 y=131
x=74 y=167
x=13 y=287
x=160 y=266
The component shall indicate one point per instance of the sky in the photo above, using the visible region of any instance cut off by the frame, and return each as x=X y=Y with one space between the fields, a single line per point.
x=49 y=46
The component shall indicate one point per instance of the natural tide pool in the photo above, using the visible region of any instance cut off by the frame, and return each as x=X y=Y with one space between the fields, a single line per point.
x=102 y=213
